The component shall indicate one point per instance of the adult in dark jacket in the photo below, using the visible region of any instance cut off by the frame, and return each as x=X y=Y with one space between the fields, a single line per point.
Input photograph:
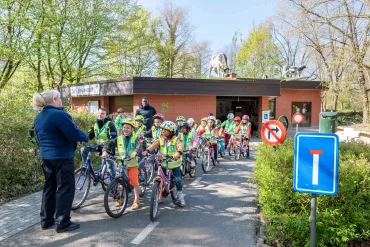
x=147 y=112
x=57 y=135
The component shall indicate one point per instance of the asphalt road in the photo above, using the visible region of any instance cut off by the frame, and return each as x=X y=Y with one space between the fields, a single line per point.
x=220 y=211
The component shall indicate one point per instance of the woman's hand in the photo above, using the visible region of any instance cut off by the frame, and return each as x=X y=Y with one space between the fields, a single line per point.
x=145 y=153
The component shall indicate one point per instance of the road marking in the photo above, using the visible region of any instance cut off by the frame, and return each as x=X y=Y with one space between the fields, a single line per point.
x=144 y=233
x=195 y=181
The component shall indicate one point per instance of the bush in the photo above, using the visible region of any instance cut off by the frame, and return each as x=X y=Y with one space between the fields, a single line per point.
x=349 y=118
x=340 y=219
x=17 y=159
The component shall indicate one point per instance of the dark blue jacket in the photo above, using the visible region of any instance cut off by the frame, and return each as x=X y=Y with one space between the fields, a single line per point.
x=57 y=134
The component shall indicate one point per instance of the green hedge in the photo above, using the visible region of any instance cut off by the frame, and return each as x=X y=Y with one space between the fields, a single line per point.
x=17 y=157
x=341 y=219
x=349 y=118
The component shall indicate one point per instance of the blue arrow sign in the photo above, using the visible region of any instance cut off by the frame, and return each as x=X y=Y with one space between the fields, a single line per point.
x=316 y=163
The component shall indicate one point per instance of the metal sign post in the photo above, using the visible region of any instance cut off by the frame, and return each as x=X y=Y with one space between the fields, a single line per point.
x=313 y=221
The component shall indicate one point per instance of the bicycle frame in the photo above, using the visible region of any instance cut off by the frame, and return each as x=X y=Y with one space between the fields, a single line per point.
x=165 y=181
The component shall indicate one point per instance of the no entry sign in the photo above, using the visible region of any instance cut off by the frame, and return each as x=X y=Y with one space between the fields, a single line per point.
x=273 y=133
x=298 y=118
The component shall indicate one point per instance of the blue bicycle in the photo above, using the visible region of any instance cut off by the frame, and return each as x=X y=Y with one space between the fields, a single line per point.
x=116 y=195
x=85 y=174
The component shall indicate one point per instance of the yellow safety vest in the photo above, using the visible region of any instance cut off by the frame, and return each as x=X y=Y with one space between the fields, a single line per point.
x=139 y=131
x=209 y=133
x=169 y=149
x=156 y=132
x=101 y=135
x=126 y=150
x=186 y=143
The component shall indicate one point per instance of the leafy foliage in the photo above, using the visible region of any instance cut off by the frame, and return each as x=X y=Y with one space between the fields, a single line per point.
x=259 y=55
x=340 y=219
x=17 y=152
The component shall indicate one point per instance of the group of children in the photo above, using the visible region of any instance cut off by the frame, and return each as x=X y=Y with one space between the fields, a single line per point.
x=169 y=139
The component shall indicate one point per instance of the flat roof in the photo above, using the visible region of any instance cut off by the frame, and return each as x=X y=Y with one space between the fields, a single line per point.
x=185 y=86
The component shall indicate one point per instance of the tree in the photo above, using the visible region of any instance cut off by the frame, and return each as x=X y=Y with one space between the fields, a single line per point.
x=232 y=50
x=176 y=35
x=132 y=45
x=350 y=19
x=14 y=37
x=201 y=52
x=259 y=55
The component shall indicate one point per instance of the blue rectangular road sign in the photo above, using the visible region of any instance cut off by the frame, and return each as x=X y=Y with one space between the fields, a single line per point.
x=316 y=163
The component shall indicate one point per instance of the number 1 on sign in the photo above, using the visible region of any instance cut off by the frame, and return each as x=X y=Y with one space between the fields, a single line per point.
x=315 y=166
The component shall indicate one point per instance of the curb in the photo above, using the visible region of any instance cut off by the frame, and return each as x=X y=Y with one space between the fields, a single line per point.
x=261 y=235
x=363 y=134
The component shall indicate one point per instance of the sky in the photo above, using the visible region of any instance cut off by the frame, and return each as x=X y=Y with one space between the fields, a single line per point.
x=217 y=20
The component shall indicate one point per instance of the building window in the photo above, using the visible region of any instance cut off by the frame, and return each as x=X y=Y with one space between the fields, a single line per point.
x=93 y=106
x=272 y=108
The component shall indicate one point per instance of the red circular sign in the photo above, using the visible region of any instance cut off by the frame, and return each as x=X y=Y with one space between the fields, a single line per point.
x=273 y=133
x=298 y=118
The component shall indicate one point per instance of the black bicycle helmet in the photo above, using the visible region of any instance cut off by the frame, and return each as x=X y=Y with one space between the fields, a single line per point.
x=185 y=124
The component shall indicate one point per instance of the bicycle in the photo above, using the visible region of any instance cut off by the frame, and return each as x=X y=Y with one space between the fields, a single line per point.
x=207 y=155
x=83 y=176
x=201 y=145
x=230 y=147
x=119 y=189
x=245 y=147
x=237 y=147
x=151 y=165
x=186 y=167
x=163 y=185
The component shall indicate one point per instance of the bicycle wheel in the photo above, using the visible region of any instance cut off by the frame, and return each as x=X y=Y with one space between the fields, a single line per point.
x=150 y=171
x=199 y=151
x=82 y=187
x=237 y=153
x=206 y=160
x=115 y=198
x=154 y=201
x=182 y=168
x=108 y=173
x=231 y=151
x=143 y=180
x=193 y=170
x=173 y=193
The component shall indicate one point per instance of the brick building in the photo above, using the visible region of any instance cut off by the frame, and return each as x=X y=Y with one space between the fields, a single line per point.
x=198 y=98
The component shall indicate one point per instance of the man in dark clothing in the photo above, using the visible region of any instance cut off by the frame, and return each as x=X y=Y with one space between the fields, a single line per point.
x=57 y=135
x=147 y=112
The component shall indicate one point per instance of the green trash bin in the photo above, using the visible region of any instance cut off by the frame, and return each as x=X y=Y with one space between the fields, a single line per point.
x=328 y=122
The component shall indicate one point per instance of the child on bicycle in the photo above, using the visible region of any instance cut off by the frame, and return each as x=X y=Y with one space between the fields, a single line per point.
x=202 y=125
x=227 y=125
x=232 y=130
x=170 y=145
x=128 y=144
x=209 y=132
x=179 y=121
x=188 y=141
x=244 y=129
x=220 y=132
x=193 y=125
x=140 y=127
x=156 y=128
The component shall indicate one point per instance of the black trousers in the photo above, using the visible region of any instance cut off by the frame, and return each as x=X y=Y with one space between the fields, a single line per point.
x=59 y=190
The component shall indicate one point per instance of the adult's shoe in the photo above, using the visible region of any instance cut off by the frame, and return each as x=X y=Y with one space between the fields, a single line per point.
x=71 y=227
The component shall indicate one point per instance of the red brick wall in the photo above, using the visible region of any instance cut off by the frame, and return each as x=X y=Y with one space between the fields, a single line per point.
x=284 y=103
x=262 y=106
x=193 y=106
x=81 y=103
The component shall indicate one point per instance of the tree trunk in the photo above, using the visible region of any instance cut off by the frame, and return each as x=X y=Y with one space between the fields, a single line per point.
x=365 y=96
x=335 y=102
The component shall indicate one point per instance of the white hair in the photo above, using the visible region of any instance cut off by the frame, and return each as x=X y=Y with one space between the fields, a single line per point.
x=40 y=100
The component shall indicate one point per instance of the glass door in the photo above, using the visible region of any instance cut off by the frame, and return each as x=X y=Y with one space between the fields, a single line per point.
x=305 y=109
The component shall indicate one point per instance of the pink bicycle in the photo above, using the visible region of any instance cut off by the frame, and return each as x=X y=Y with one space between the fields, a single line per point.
x=163 y=185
